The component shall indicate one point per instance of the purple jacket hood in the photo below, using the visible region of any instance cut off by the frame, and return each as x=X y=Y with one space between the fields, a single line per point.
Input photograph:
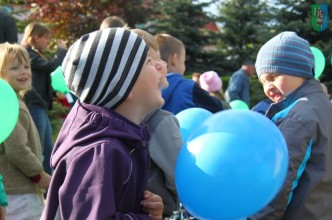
x=77 y=130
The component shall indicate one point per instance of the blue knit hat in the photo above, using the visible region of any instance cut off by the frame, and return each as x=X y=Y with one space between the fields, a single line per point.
x=286 y=54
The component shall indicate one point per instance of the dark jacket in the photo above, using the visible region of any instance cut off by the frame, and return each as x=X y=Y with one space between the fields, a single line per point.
x=42 y=93
x=101 y=166
x=184 y=93
x=238 y=87
x=262 y=106
x=305 y=120
x=8 y=30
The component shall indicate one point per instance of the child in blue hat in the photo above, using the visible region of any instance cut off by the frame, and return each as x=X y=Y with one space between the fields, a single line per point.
x=301 y=110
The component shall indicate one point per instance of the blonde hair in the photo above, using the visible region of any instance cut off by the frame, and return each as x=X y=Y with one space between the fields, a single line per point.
x=218 y=94
x=148 y=38
x=31 y=30
x=196 y=74
x=112 y=21
x=168 y=45
x=10 y=52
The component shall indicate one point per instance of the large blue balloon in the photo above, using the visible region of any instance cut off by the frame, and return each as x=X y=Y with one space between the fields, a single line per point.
x=191 y=118
x=232 y=166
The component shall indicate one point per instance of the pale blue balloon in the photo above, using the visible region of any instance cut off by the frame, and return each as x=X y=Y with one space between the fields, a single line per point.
x=232 y=166
x=191 y=118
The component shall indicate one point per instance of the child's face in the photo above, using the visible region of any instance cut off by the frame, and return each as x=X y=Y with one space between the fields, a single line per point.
x=147 y=91
x=279 y=86
x=18 y=75
x=41 y=42
x=161 y=66
x=195 y=78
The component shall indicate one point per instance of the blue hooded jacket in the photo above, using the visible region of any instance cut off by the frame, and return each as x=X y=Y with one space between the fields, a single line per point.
x=184 y=93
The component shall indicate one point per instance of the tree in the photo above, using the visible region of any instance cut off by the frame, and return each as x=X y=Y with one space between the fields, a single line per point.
x=296 y=16
x=244 y=26
x=185 y=20
x=71 y=19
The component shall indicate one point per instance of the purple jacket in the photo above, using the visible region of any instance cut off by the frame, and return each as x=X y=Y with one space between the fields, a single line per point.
x=101 y=166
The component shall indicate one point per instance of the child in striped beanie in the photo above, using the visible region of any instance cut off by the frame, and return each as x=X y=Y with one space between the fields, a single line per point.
x=301 y=110
x=101 y=157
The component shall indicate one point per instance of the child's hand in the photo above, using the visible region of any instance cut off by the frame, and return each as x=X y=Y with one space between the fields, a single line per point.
x=60 y=95
x=45 y=180
x=62 y=44
x=153 y=205
x=2 y=212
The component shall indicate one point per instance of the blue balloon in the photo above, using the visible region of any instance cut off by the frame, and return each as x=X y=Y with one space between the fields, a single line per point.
x=191 y=118
x=232 y=166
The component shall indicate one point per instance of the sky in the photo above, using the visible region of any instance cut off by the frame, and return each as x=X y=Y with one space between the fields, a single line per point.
x=213 y=8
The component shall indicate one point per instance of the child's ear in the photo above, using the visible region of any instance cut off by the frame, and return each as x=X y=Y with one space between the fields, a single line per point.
x=130 y=96
x=174 y=59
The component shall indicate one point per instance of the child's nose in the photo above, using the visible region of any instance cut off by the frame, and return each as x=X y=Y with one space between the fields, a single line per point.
x=158 y=66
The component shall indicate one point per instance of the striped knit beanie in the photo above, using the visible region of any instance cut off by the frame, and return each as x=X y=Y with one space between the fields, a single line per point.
x=286 y=54
x=102 y=67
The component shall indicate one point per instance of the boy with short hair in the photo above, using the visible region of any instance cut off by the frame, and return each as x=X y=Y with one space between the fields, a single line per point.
x=112 y=22
x=181 y=93
x=303 y=113
x=165 y=142
x=101 y=155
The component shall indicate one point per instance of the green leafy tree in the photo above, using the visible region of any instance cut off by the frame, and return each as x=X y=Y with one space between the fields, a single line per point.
x=72 y=19
x=296 y=16
x=244 y=25
x=186 y=21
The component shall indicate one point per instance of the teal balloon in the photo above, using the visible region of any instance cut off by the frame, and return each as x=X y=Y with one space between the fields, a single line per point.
x=232 y=166
x=9 y=110
x=58 y=81
x=191 y=118
x=238 y=104
x=319 y=61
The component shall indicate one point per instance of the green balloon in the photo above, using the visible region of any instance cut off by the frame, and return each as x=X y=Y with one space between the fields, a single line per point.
x=239 y=104
x=8 y=110
x=58 y=81
x=319 y=61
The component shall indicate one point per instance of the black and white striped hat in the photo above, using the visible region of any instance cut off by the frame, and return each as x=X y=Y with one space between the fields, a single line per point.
x=102 y=67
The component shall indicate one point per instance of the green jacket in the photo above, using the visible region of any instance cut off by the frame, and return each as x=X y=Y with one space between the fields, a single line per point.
x=3 y=197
